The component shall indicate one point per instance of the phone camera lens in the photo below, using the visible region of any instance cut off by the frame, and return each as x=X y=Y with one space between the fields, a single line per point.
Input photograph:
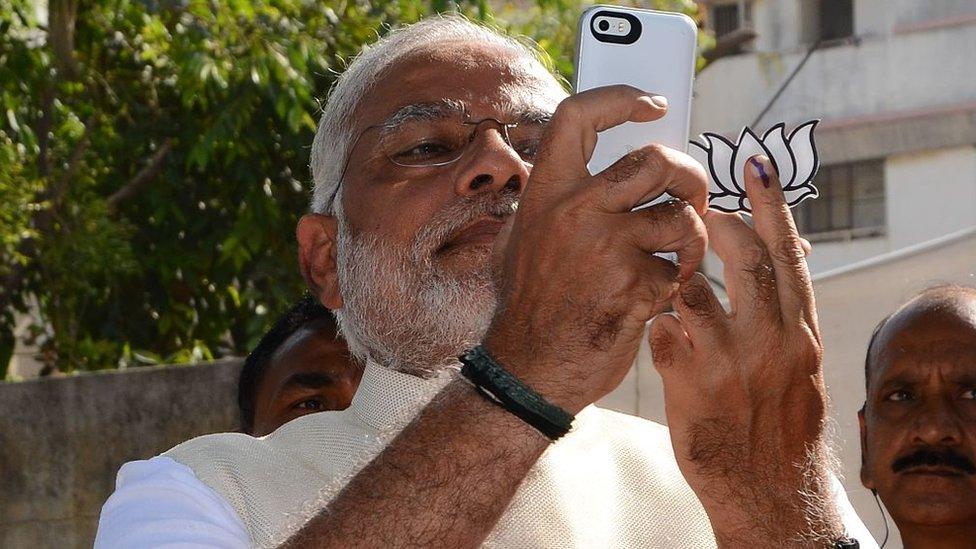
x=603 y=25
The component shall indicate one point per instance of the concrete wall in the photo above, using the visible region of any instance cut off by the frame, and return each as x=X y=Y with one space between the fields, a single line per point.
x=881 y=16
x=63 y=439
x=933 y=193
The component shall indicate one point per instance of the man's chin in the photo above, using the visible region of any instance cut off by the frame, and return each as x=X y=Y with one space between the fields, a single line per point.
x=934 y=500
x=465 y=262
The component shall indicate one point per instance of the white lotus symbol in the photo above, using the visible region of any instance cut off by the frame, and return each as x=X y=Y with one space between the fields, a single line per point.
x=795 y=159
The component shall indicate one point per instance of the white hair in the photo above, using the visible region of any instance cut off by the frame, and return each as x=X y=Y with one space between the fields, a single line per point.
x=333 y=138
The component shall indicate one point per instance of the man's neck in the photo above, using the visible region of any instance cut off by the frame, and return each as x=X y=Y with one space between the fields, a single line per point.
x=947 y=536
x=423 y=371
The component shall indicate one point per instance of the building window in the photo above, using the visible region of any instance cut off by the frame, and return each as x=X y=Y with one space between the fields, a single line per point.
x=725 y=19
x=729 y=17
x=851 y=203
x=836 y=19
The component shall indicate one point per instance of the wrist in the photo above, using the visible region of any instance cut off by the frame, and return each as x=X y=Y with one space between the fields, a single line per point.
x=503 y=389
x=536 y=371
x=476 y=414
x=796 y=510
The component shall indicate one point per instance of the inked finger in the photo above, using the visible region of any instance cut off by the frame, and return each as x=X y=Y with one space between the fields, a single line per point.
x=749 y=275
x=775 y=227
x=672 y=226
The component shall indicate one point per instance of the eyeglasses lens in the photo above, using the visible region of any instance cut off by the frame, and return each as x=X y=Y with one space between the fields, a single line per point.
x=439 y=142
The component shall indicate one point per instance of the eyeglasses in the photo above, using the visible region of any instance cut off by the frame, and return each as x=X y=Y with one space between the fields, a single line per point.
x=433 y=143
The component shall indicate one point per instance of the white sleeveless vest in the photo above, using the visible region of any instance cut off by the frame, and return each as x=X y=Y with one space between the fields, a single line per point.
x=611 y=482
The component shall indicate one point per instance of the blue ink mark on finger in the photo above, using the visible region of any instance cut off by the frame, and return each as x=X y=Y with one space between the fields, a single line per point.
x=762 y=171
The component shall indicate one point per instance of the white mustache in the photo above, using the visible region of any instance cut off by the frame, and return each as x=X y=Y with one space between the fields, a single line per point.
x=435 y=233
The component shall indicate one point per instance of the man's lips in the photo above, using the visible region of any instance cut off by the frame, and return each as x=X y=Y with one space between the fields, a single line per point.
x=482 y=231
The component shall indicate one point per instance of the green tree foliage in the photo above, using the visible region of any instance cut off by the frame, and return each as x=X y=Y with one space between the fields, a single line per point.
x=153 y=162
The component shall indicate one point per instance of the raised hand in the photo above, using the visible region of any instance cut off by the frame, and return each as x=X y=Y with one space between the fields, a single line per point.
x=577 y=275
x=744 y=391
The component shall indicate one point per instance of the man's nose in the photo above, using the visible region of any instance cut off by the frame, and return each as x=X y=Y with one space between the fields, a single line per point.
x=491 y=165
x=937 y=424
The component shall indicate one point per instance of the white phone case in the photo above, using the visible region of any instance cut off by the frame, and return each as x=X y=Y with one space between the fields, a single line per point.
x=660 y=59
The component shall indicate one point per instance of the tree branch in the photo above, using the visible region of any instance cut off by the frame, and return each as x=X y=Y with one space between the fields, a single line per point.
x=43 y=130
x=61 y=35
x=60 y=187
x=143 y=178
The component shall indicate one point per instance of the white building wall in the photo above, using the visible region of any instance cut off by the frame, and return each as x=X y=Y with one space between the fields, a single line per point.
x=930 y=194
x=889 y=74
x=873 y=17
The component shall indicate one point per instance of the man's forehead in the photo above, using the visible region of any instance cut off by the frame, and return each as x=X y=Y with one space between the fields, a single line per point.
x=505 y=109
x=495 y=82
x=944 y=344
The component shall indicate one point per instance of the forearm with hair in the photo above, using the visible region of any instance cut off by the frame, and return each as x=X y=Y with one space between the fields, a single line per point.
x=752 y=504
x=444 y=481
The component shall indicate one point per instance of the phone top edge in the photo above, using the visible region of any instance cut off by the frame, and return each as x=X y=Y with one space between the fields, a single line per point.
x=628 y=9
x=587 y=14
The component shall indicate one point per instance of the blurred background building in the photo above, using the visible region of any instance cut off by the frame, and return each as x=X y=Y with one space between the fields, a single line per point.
x=895 y=85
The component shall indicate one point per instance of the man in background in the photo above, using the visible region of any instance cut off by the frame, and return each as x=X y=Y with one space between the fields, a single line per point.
x=301 y=366
x=918 y=424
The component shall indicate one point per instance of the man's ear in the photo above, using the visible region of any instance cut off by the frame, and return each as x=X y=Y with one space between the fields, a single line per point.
x=866 y=478
x=316 y=234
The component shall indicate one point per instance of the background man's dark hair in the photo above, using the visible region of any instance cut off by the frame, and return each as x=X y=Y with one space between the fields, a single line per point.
x=307 y=310
x=933 y=291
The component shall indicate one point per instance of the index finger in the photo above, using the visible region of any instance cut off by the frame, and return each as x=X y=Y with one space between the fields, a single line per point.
x=571 y=135
x=775 y=227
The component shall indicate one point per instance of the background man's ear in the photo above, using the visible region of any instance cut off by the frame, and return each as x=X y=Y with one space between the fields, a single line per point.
x=866 y=478
x=316 y=234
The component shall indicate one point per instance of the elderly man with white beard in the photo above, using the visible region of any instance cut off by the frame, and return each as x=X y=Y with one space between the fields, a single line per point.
x=427 y=143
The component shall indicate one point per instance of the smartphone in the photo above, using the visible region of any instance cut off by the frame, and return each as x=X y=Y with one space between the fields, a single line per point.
x=652 y=51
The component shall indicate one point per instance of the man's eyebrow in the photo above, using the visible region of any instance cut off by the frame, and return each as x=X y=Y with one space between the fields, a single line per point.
x=422 y=111
x=899 y=380
x=309 y=380
x=532 y=115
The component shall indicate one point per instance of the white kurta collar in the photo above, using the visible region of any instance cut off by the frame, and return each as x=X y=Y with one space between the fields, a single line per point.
x=386 y=397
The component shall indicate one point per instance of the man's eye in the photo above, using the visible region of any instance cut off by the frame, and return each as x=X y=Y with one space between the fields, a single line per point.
x=423 y=152
x=900 y=395
x=312 y=404
x=527 y=149
x=969 y=394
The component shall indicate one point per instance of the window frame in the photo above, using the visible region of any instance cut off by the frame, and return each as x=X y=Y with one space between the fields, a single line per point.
x=848 y=229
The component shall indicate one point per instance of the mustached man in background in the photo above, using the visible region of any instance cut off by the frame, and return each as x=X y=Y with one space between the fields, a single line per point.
x=918 y=425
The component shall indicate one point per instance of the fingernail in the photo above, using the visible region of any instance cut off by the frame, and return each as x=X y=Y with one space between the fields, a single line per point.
x=659 y=101
x=759 y=169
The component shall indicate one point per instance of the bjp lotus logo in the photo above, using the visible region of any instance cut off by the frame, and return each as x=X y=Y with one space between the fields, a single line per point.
x=794 y=157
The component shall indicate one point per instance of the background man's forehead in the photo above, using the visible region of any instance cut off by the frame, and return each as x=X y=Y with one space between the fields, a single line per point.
x=916 y=358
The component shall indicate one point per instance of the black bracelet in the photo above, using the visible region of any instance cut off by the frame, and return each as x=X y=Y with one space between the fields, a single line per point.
x=505 y=390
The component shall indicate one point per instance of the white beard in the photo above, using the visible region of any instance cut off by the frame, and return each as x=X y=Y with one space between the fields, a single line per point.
x=405 y=312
